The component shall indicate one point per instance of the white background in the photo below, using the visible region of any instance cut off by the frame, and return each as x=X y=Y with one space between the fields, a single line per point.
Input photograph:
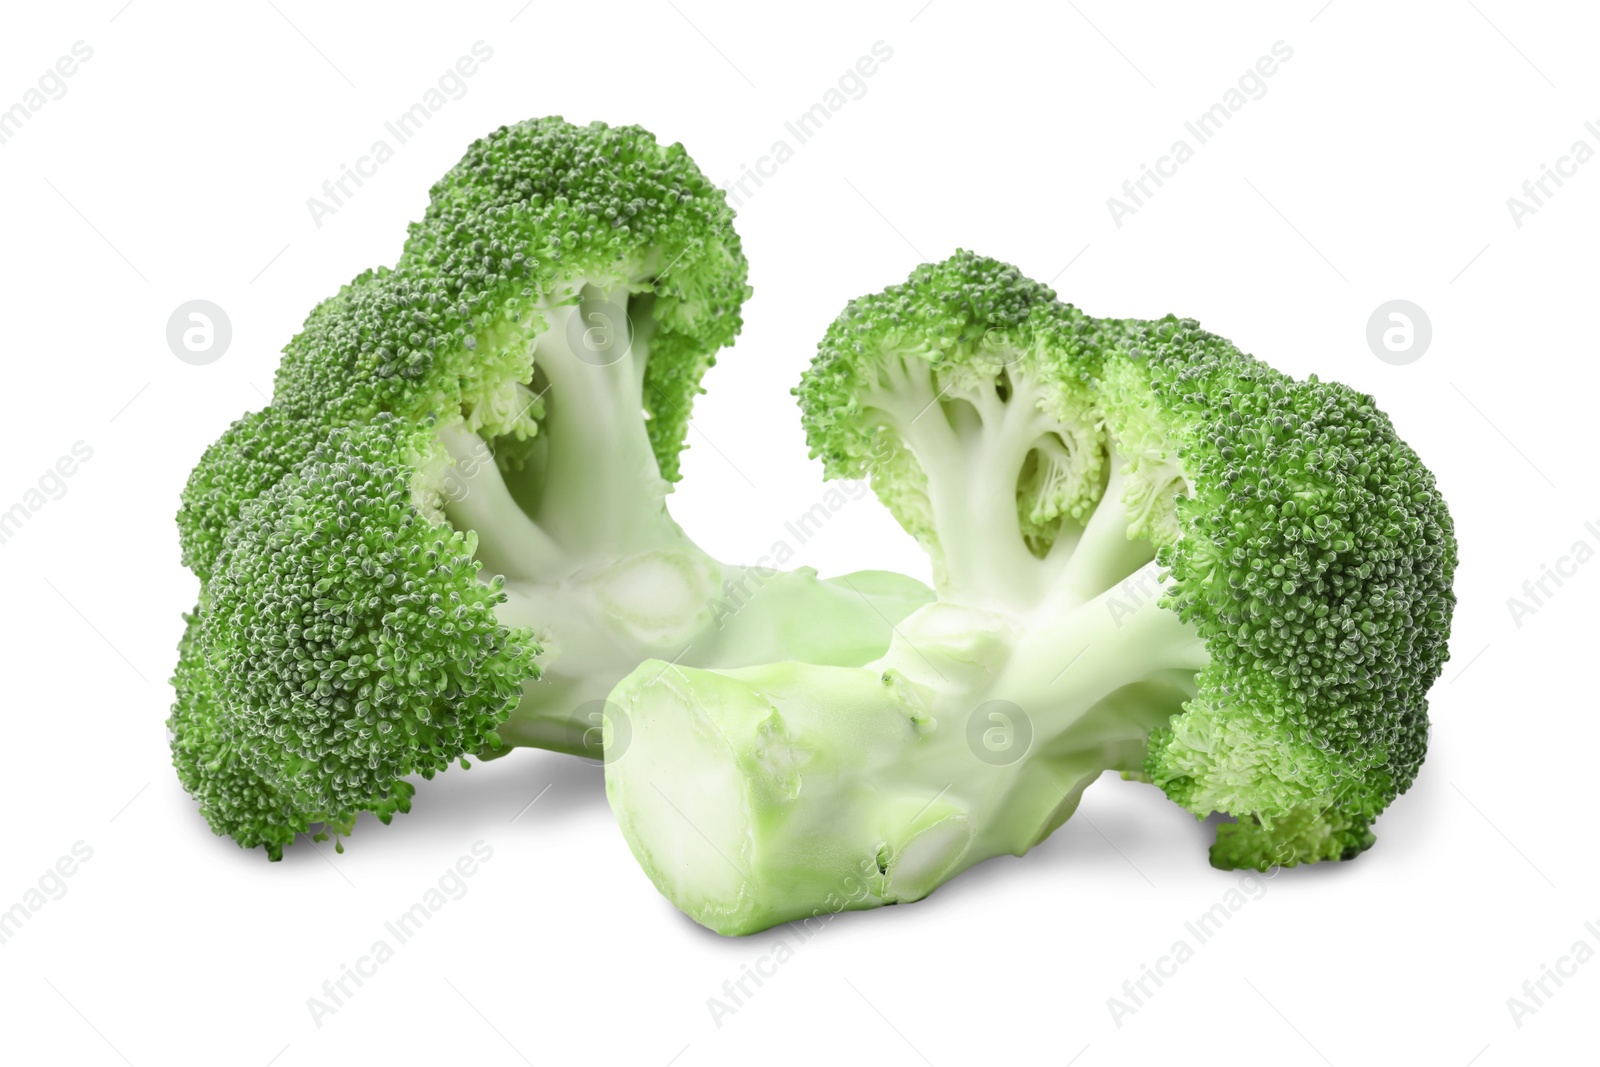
x=1377 y=166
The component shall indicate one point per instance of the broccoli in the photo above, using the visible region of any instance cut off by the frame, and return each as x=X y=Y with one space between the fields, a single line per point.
x=447 y=533
x=1153 y=554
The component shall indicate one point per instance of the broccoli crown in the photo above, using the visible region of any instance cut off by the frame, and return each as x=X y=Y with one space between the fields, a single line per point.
x=530 y=215
x=1303 y=541
x=959 y=336
x=1315 y=555
x=346 y=643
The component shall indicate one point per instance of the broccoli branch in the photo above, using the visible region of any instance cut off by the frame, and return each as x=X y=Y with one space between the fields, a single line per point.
x=971 y=444
x=476 y=498
x=1103 y=554
x=600 y=491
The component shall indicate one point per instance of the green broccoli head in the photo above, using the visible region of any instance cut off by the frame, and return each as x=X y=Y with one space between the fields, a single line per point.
x=1155 y=555
x=968 y=388
x=1298 y=536
x=537 y=212
x=344 y=644
x=1312 y=551
x=512 y=394
x=586 y=272
x=534 y=218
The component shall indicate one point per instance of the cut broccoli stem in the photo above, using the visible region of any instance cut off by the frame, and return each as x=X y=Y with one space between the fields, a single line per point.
x=592 y=630
x=973 y=736
x=594 y=626
x=794 y=790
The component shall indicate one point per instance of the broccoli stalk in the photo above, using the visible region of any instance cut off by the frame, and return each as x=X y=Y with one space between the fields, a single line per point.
x=448 y=532
x=1153 y=555
x=759 y=796
x=594 y=565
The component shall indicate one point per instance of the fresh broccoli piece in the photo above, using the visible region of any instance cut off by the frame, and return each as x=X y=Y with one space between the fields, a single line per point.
x=345 y=642
x=210 y=760
x=510 y=401
x=1154 y=554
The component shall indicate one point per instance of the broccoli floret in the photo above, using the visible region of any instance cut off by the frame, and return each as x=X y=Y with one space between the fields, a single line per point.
x=1154 y=554
x=249 y=458
x=498 y=417
x=210 y=759
x=349 y=634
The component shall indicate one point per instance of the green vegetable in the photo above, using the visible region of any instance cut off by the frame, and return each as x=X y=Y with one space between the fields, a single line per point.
x=448 y=532
x=1154 y=554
